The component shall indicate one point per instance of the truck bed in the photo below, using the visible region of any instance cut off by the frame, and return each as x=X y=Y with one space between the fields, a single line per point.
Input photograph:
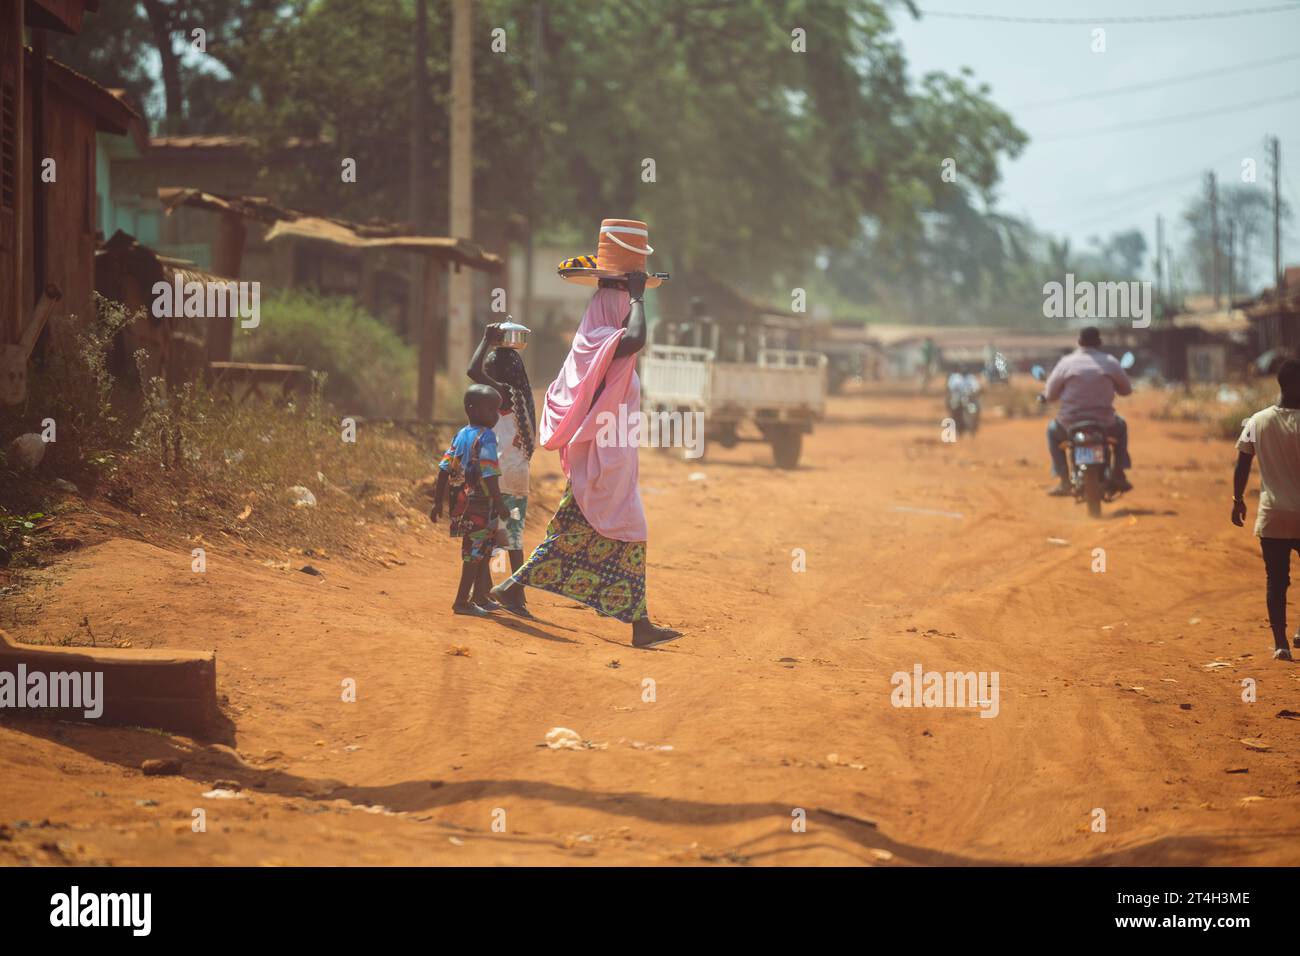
x=783 y=383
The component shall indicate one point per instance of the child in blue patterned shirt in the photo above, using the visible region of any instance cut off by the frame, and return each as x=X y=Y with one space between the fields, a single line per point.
x=470 y=468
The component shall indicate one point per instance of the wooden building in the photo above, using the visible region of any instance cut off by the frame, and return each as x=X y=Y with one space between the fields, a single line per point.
x=49 y=118
x=1199 y=343
x=1275 y=315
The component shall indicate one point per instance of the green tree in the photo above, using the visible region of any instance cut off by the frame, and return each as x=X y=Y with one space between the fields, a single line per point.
x=784 y=134
x=120 y=41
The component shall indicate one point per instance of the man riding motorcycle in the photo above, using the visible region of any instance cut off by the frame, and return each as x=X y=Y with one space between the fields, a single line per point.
x=963 y=398
x=1086 y=381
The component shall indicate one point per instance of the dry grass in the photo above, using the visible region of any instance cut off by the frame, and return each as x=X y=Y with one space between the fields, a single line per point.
x=1221 y=408
x=1016 y=399
x=189 y=466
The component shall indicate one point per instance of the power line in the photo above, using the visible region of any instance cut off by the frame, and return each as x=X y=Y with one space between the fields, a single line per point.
x=1076 y=21
x=1167 y=120
x=1110 y=213
x=1128 y=194
x=1092 y=220
x=1157 y=84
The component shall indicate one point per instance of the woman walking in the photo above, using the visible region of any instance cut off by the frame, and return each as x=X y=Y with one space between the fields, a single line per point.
x=595 y=546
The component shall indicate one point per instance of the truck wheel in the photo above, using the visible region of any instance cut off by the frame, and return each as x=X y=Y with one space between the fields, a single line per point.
x=787 y=443
x=1092 y=491
x=727 y=436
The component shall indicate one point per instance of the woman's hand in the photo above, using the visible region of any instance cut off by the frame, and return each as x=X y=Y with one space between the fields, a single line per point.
x=636 y=284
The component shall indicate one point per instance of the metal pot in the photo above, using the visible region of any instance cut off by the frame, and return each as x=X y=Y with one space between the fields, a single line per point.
x=513 y=335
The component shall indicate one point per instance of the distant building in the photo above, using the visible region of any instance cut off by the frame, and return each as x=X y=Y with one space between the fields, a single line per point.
x=1275 y=315
x=224 y=165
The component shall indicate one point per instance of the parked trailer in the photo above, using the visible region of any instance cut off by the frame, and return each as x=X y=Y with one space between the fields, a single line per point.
x=783 y=393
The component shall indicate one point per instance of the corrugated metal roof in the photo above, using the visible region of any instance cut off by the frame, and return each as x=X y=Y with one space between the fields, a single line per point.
x=115 y=115
x=969 y=336
x=64 y=16
x=293 y=224
x=228 y=141
x=1224 y=320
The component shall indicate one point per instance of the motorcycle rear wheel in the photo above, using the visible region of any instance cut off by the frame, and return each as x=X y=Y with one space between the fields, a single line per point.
x=1092 y=491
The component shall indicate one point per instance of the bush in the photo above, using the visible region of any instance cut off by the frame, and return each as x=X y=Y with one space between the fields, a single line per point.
x=368 y=369
x=72 y=386
x=183 y=462
x=1221 y=408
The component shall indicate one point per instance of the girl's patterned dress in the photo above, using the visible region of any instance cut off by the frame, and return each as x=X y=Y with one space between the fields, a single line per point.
x=579 y=563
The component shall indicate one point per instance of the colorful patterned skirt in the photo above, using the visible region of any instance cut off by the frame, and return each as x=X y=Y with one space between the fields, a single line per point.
x=577 y=562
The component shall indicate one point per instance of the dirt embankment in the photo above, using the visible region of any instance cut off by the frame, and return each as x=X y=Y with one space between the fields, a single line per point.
x=1120 y=691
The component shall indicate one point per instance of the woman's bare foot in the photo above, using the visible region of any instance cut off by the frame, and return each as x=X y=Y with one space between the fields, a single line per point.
x=645 y=634
x=504 y=597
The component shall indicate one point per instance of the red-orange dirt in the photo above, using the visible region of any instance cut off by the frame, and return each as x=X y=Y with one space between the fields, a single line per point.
x=1121 y=691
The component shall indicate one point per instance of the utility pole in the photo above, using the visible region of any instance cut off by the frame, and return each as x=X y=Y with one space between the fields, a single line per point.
x=1175 y=278
x=460 y=317
x=1214 y=234
x=1245 y=260
x=1160 y=245
x=1232 y=243
x=539 y=27
x=422 y=323
x=1277 y=214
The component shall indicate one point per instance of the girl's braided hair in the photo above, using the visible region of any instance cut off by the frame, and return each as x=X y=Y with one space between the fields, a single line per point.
x=507 y=367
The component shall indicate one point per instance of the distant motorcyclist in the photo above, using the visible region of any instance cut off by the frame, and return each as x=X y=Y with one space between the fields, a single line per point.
x=963 y=398
x=962 y=383
x=1086 y=381
x=996 y=371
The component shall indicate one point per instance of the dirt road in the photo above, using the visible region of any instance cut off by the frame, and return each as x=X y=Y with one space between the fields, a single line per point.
x=916 y=552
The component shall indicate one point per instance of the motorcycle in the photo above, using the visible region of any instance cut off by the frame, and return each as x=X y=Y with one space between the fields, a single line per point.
x=1090 y=452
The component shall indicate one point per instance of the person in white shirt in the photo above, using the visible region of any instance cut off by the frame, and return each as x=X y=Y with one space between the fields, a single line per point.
x=1273 y=436
x=516 y=431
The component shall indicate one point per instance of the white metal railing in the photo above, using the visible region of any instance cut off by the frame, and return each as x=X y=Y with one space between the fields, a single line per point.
x=677 y=375
x=790 y=358
x=680 y=353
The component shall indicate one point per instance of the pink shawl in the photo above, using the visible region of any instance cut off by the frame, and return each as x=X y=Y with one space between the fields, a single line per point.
x=604 y=479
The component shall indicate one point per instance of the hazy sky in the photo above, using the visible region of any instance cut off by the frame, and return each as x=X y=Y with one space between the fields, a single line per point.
x=1082 y=185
